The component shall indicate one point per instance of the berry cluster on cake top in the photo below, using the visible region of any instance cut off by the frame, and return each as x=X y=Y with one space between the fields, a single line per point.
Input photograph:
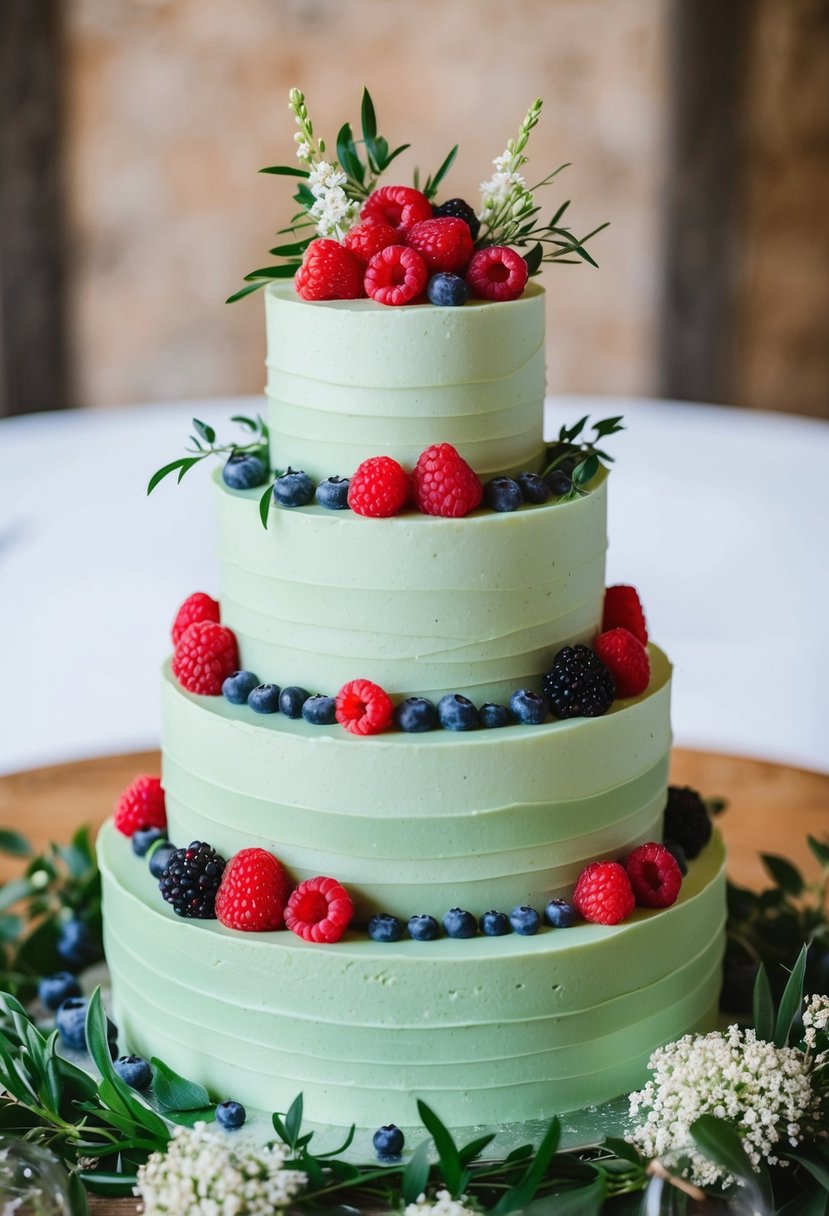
x=396 y=244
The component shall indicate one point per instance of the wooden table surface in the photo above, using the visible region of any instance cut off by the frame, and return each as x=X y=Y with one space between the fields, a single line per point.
x=771 y=809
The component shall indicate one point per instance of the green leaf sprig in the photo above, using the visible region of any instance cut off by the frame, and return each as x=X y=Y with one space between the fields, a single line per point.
x=580 y=457
x=203 y=444
x=101 y=1129
x=511 y=216
x=768 y=928
x=579 y=1181
x=59 y=884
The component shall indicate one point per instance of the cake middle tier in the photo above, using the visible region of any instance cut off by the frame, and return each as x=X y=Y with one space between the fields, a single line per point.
x=418 y=604
x=421 y=823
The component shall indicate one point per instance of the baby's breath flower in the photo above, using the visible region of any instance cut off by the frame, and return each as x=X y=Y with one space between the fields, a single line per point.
x=205 y=1174
x=763 y=1090
x=442 y=1205
x=815 y=1018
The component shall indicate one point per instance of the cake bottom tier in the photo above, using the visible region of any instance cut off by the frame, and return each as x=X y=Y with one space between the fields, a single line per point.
x=486 y=1030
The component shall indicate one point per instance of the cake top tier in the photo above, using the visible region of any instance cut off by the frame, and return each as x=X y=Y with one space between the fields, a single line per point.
x=351 y=379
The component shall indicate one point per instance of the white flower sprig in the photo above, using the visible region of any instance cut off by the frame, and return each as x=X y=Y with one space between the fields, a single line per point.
x=204 y=1173
x=764 y=1091
x=442 y=1205
x=505 y=198
x=332 y=210
x=815 y=1026
x=509 y=214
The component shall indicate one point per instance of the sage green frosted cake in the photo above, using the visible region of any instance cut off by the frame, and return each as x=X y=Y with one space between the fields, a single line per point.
x=488 y=1029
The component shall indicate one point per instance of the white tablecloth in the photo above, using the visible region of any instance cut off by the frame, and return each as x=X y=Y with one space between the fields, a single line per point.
x=718 y=516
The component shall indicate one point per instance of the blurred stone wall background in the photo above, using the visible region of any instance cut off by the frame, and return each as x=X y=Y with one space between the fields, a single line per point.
x=173 y=106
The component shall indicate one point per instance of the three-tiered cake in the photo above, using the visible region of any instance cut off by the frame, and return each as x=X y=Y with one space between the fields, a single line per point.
x=486 y=1028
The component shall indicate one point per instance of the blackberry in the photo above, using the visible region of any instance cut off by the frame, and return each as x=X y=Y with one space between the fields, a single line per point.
x=686 y=820
x=578 y=685
x=459 y=208
x=192 y=879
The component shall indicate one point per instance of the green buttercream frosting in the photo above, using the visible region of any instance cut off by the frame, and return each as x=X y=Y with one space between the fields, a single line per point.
x=349 y=379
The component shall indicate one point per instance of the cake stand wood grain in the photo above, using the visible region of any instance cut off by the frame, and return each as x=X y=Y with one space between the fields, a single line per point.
x=771 y=809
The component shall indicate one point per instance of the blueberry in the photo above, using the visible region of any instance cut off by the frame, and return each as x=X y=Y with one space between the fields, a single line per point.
x=560 y=482
x=494 y=715
x=238 y=686
x=503 y=494
x=292 y=699
x=679 y=855
x=230 y=1114
x=385 y=928
x=293 y=489
x=415 y=715
x=457 y=712
x=458 y=923
x=528 y=707
x=76 y=946
x=320 y=710
x=264 y=699
x=559 y=914
x=533 y=487
x=388 y=1141
x=143 y=840
x=495 y=924
x=53 y=990
x=524 y=920
x=134 y=1070
x=447 y=290
x=423 y=928
x=244 y=470
x=160 y=858
x=70 y=1020
x=333 y=493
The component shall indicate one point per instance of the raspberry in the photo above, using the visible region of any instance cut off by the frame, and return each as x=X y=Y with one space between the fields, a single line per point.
x=497 y=273
x=623 y=608
x=603 y=893
x=319 y=910
x=253 y=892
x=396 y=275
x=204 y=657
x=141 y=805
x=446 y=244
x=329 y=272
x=365 y=240
x=197 y=607
x=686 y=820
x=444 y=484
x=400 y=206
x=654 y=875
x=578 y=685
x=626 y=659
x=380 y=488
x=363 y=708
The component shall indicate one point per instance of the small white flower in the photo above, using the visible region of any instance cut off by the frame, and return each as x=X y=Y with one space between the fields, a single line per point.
x=303 y=149
x=442 y=1205
x=763 y=1090
x=206 y=1174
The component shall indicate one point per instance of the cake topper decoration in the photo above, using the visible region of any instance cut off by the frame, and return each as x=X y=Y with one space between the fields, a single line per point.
x=339 y=197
